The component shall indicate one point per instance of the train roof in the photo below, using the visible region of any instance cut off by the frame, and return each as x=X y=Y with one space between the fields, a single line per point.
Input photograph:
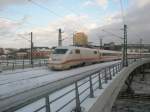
x=74 y=47
x=101 y=50
x=109 y=51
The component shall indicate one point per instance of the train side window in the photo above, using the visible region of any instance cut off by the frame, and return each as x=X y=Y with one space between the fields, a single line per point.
x=77 y=51
x=106 y=54
x=95 y=52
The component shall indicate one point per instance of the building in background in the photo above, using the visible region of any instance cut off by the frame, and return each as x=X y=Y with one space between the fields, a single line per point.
x=144 y=48
x=80 y=39
x=37 y=53
x=41 y=52
x=112 y=46
x=9 y=53
x=25 y=53
x=22 y=53
x=109 y=46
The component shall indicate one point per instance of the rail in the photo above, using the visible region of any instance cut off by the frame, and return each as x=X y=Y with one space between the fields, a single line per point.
x=74 y=91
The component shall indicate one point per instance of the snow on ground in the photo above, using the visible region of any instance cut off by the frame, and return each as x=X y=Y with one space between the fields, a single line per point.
x=7 y=72
x=62 y=101
x=34 y=78
x=11 y=84
x=16 y=64
x=18 y=75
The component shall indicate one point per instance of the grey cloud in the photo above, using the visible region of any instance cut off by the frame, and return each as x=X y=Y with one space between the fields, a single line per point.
x=138 y=21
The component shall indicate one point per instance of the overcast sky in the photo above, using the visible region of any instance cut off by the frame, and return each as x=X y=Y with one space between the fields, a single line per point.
x=44 y=17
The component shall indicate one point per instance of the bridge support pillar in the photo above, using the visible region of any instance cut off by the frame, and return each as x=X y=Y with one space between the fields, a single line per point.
x=128 y=82
x=142 y=72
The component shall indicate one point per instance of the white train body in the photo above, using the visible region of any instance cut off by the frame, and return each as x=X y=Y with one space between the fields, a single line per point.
x=67 y=57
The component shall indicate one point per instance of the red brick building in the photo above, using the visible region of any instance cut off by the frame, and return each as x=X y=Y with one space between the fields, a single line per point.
x=41 y=52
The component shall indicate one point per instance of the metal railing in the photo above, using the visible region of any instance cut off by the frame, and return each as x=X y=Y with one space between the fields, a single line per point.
x=21 y=64
x=74 y=94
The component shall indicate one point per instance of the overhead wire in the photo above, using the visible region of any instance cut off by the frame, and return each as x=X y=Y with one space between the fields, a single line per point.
x=123 y=17
x=45 y=8
x=24 y=22
x=50 y=11
x=70 y=10
x=14 y=33
x=113 y=34
x=135 y=33
x=54 y=13
x=41 y=6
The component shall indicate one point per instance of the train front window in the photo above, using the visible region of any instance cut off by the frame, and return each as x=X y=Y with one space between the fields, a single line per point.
x=77 y=51
x=60 y=51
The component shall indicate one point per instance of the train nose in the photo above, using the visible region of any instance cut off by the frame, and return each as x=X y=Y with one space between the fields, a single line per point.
x=56 y=59
x=56 y=66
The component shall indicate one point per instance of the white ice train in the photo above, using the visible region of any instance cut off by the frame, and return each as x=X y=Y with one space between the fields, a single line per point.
x=71 y=56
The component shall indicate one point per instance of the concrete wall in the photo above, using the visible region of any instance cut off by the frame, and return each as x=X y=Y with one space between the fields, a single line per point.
x=105 y=102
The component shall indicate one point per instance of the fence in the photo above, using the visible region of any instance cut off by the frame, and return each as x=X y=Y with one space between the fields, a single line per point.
x=73 y=93
x=21 y=64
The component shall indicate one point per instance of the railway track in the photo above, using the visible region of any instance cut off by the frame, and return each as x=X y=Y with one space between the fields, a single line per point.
x=138 y=97
x=42 y=75
x=34 y=76
x=22 y=70
x=30 y=76
x=20 y=75
x=17 y=83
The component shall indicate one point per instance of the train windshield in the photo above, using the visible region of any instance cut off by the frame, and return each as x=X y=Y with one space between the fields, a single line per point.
x=60 y=51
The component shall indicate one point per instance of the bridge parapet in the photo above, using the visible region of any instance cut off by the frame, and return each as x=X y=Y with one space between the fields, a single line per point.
x=105 y=101
x=75 y=90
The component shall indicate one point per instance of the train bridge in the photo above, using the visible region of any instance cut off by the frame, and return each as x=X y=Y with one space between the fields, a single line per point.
x=90 y=91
